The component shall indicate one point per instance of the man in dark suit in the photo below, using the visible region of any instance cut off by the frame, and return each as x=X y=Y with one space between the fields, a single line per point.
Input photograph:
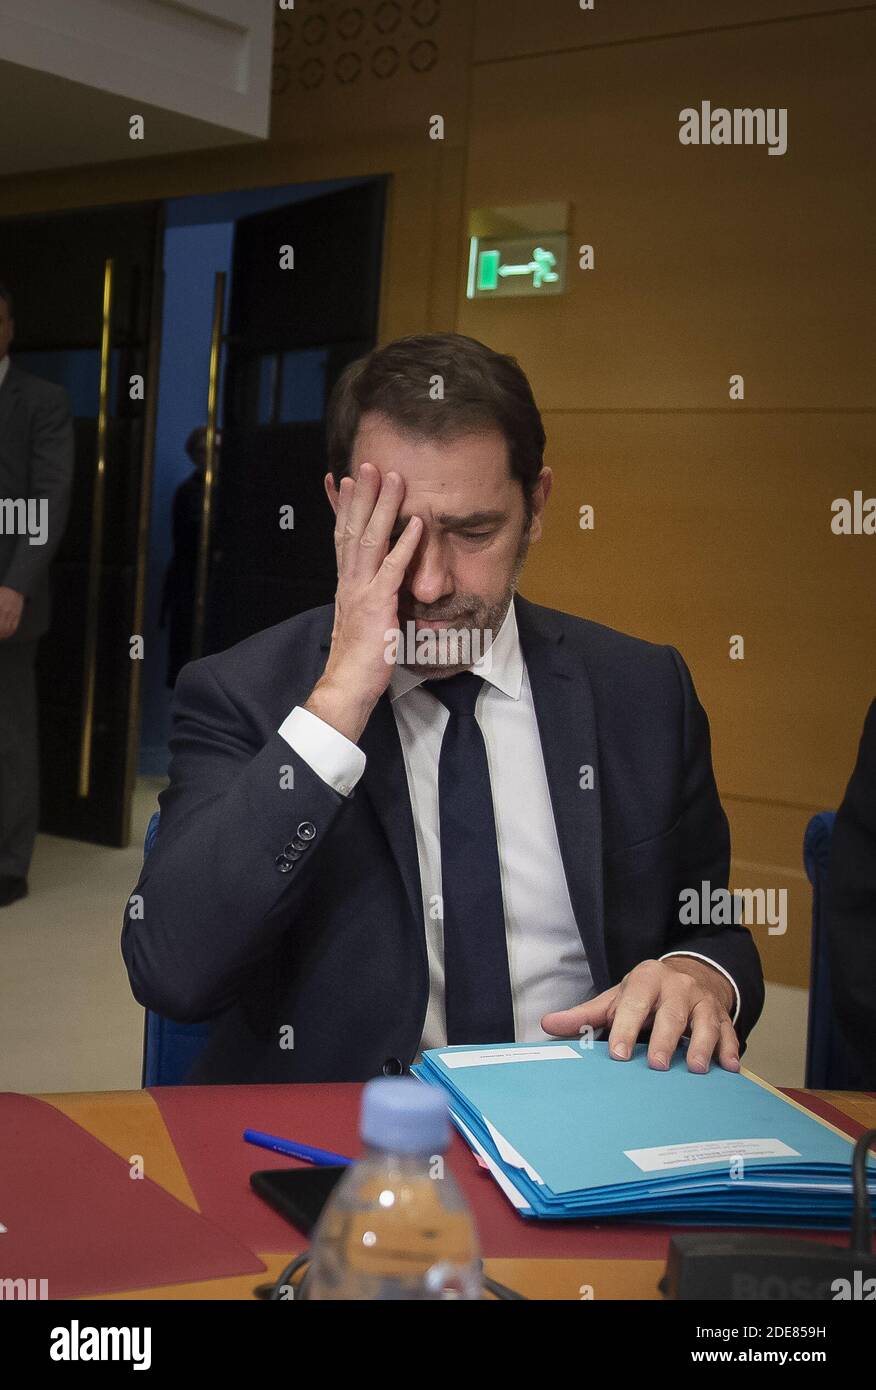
x=36 y=474
x=852 y=911
x=179 y=590
x=434 y=812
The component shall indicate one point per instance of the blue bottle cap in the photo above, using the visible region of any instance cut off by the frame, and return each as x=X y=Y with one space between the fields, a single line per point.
x=405 y=1116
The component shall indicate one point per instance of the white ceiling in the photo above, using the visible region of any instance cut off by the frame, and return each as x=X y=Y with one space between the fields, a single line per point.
x=73 y=72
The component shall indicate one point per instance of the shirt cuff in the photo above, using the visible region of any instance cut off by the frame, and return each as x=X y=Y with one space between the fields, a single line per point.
x=330 y=753
x=727 y=976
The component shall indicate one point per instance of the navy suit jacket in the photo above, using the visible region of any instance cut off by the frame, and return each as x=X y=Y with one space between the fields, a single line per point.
x=333 y=946
x=852 y=907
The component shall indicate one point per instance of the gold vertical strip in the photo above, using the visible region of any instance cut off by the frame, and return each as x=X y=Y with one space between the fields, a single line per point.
x=210 y=469
x=92 y=609
x=153 y=360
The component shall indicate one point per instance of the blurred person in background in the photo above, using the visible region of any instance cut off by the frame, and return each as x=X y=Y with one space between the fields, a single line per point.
x=36 y=474
x=180 y=580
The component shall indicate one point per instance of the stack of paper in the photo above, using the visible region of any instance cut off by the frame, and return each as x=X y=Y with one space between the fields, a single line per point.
x=569 y=1132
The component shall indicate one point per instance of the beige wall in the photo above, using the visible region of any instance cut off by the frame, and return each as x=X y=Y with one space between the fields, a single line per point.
x=712 y=517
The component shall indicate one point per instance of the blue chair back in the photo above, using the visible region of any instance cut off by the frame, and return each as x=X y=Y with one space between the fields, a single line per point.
x=169 y=1049
x=830 y=1065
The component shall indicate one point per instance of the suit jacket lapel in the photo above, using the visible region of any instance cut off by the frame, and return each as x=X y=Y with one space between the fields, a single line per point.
x=566 y=718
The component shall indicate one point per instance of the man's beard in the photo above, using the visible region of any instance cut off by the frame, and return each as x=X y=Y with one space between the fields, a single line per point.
x=473 y=625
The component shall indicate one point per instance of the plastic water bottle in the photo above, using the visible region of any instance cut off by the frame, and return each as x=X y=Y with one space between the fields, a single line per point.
x=396 y=1225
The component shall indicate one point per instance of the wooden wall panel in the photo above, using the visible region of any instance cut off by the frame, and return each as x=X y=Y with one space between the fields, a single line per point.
x=785 y=956
x=411 y=210
x=713 y=525
x=449 y=252
x=767 y=843
x=709 y=261
x=519 y=28
x=767 y=838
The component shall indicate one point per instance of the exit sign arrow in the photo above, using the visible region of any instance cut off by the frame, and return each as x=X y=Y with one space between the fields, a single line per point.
x=541 y=268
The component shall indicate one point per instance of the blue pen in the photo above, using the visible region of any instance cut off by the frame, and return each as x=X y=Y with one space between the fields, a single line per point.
x=323 y=1157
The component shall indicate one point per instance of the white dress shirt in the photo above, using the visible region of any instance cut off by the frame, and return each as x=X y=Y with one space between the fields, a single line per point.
x=548 y=964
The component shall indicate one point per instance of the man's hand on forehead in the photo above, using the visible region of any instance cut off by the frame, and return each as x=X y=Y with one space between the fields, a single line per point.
x=370 y=573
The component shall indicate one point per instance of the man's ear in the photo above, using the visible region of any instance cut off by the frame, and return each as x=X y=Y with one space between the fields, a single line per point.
x=540 y=495
x=331 y=492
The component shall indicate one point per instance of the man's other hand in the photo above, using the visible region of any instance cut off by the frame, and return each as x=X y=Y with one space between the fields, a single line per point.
x=675 y=996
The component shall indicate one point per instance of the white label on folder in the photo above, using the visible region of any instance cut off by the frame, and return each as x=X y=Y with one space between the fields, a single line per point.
x=710 y=1151
x=491 y=1057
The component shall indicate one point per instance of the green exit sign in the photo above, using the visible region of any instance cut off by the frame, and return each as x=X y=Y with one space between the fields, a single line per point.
x=500 y=267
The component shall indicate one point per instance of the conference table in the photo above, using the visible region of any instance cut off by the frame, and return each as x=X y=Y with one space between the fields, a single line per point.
x=151 y=1189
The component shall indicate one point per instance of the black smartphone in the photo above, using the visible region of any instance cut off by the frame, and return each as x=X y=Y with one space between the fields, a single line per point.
x=299 y=1194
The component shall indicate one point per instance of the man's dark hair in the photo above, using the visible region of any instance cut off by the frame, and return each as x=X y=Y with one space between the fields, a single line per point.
x=479 y=389
x=7 y=295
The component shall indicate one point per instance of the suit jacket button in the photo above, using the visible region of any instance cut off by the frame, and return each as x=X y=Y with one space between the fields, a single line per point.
x=306 y=830
x=392 y=1067
x=293 y=849
x=283 y=863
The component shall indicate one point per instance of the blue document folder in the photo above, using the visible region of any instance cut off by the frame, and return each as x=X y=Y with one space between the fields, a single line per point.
x=568 y=1132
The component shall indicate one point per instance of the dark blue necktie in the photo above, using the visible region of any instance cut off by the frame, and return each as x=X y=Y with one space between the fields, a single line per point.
x=477 y=983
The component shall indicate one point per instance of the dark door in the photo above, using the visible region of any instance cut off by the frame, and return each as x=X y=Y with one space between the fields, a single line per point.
x=56 y=266
x=291 y=332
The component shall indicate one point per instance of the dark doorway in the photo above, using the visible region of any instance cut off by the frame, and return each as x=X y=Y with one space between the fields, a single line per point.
x=284 y=338
x=291 y=331
x=56 y=266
